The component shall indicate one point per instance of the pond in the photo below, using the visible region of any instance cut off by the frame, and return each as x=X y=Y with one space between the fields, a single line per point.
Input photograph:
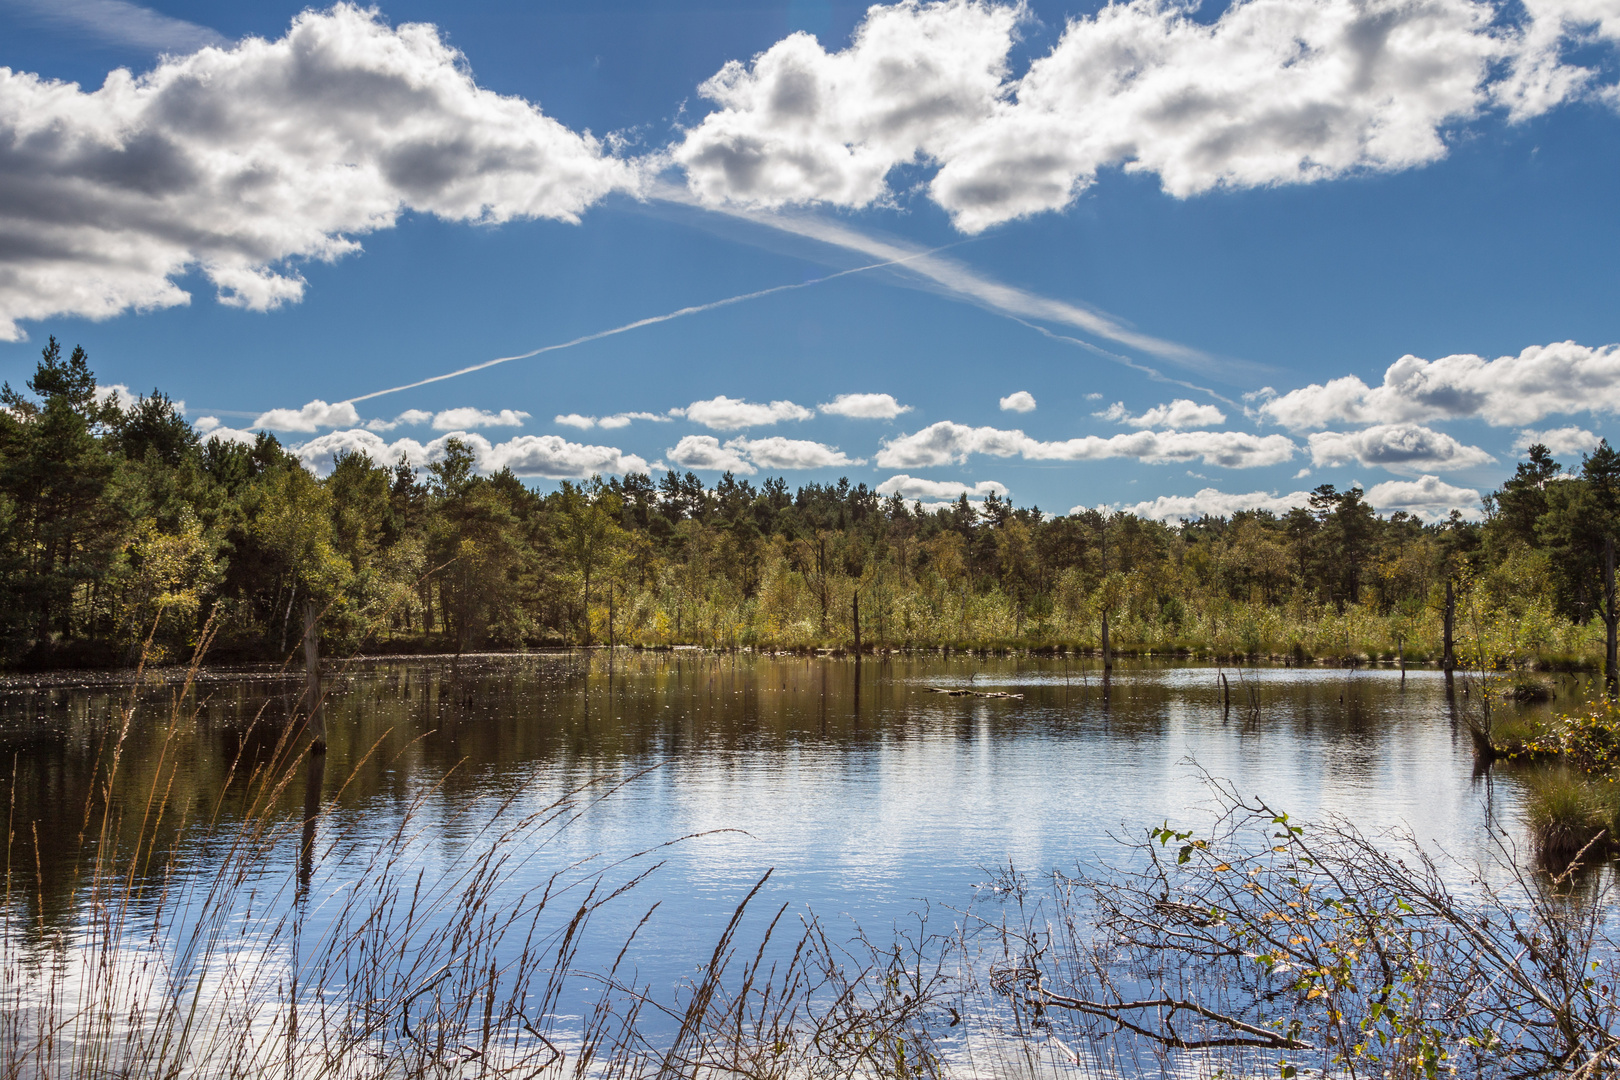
x=866 y=792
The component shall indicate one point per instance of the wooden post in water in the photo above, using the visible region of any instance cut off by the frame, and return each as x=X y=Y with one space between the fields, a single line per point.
x=1226 y=695
x=1400 y=655
x=312 y=672
x=1448 y=658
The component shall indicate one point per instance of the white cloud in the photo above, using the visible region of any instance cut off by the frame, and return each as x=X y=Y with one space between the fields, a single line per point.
x=801 y=125
x=210 y=428
x=1273 y=91
x=747 y=456
x=317 y=454
x=728 y=414
x=317 y=414
x=617 y=420
x=238 y=162
x=408 y=418
x=947 y=443
x=1402 y=448
x=1018 y=401
x=458 y=419
x=556 y=458
x=1180 y=414
x=1270 y=92
x=1564 y=440
x=865 y=406
x=1212 y=502
x=705 y=452
x=1543 y=380
x=1427 y=497
x=120 y=395
x=779 y=453
x=546 y=456
x=915 y=487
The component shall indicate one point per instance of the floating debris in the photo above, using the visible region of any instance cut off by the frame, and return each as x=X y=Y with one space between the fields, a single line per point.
x=962 y=691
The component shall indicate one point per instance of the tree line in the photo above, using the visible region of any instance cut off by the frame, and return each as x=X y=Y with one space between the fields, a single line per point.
x=123 y=530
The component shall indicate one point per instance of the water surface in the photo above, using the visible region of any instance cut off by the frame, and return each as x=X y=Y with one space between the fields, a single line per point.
x=865 y=792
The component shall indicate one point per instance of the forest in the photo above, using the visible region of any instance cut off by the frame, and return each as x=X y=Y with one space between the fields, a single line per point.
x=124 y=533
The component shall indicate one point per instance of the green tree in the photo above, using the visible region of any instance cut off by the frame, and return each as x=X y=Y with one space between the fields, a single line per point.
x=588 y=535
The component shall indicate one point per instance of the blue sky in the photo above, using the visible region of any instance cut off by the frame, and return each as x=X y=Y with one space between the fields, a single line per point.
x=1227 y=225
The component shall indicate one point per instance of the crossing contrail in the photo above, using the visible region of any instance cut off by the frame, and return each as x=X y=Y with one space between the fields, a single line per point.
x=695 y=309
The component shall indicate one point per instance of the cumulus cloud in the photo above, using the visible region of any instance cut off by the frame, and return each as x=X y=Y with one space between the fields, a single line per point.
x=747 y=456
x=242 y=161
x=1180 y=414
x=705 y=452
x=1427 y=497
x=458 y=419
x=617 y=420
x=408 y=418
x=947 y=443
x=1270 y=92
x=548 y=456
x=554 y=457
x=1543 y=380
x=801 y=125
x=1402 y=448
x=1018 y=401
x=1564 y=440
x=915 y=487
x=865 y=406
x=779 y=453
x=1213 y=503
x=120 y=395
x=728 y=414
x=317 y=414
x=210 y=428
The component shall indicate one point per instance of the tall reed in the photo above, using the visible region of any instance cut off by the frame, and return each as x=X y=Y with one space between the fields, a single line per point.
x=310 y=942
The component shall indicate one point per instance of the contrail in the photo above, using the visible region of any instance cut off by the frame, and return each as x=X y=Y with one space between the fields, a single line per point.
x=1151 y=372
x=678 y=313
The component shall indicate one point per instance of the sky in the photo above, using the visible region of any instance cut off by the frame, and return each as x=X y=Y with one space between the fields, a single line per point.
x=1165 y=257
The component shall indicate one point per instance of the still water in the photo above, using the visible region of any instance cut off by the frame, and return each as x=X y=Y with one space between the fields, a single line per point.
x=867 y=793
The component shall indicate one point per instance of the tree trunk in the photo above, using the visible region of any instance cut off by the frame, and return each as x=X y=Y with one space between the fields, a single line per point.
x=1108 y=653
x=1611 y=617
x=1448 y=657
x=585 y=621
x=312 y=673
x=855 y=604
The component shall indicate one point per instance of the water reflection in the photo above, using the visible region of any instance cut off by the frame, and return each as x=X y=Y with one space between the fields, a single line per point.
x=866 y=792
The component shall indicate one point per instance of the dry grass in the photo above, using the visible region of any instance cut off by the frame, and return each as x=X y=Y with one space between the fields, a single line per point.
x=314 y=945
x=1565 y=812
